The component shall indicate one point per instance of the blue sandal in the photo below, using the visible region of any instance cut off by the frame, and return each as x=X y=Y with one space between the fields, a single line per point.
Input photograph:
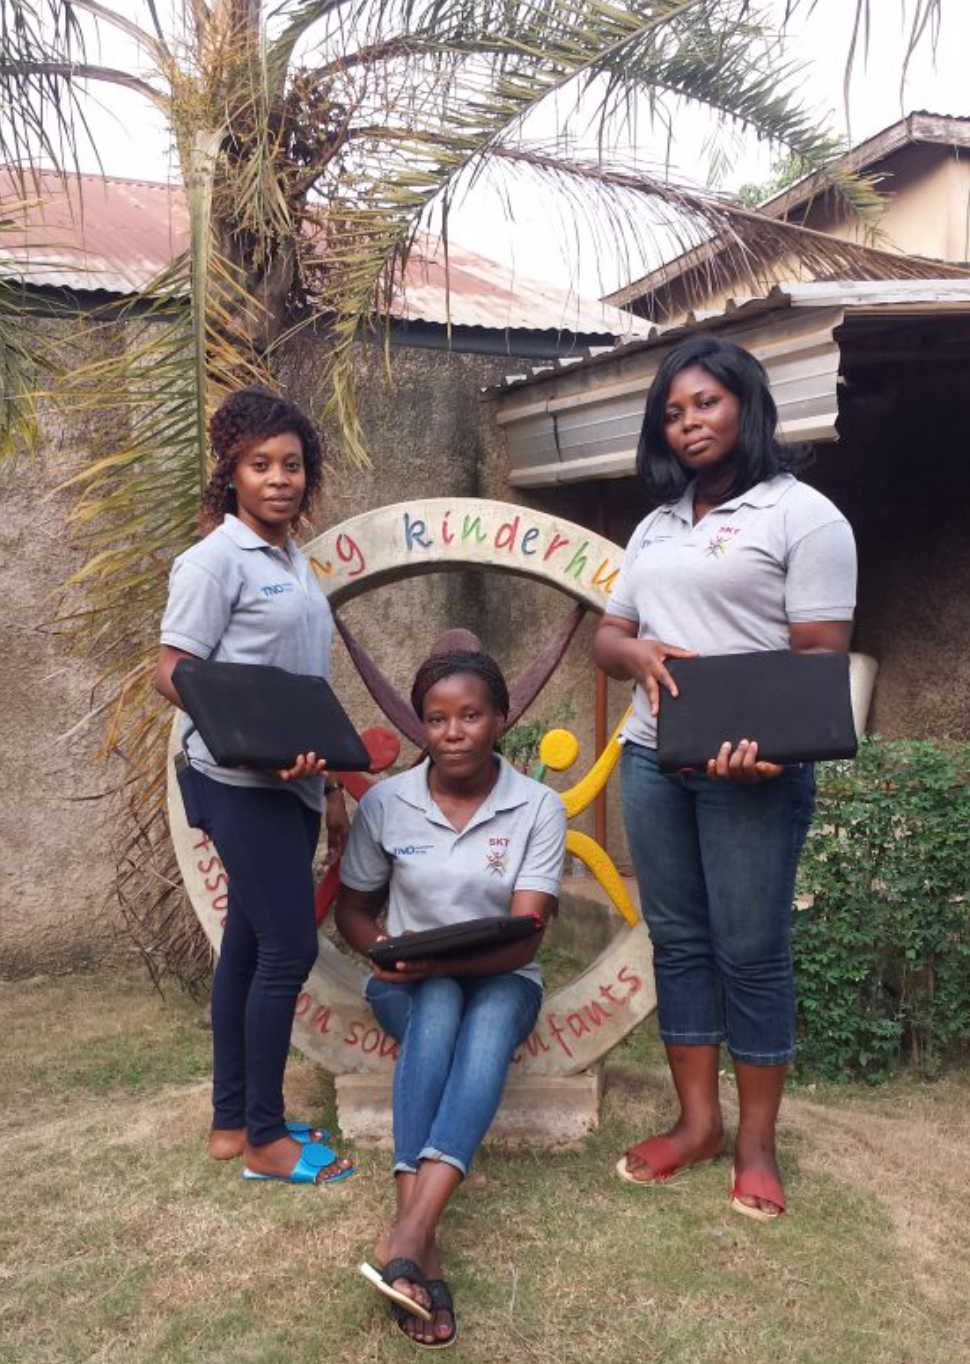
x=314 y=1159
x=306 y=1132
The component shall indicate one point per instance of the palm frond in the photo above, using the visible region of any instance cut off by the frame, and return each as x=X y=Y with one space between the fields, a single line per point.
x=40 y=111
x=136 y=494
x=733 y=245
x=478 y=85
x=26 y=358
x=922 y=20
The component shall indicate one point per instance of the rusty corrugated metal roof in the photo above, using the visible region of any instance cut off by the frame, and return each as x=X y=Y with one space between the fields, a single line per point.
x=472 y=291
x=92 y=233
x=104 y=234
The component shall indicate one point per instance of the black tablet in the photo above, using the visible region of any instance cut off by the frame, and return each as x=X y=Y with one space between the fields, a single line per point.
x=471 y=935
x=250 y=715
x=797 y=706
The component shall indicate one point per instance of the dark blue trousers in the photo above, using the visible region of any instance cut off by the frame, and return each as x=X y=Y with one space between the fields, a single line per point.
x=266 y=840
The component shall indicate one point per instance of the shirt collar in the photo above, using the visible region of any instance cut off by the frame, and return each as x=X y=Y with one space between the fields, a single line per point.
x=509 y=792
x=246 y=538
x=764 y=494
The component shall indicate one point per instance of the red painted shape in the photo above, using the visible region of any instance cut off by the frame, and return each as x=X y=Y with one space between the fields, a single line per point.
x=384 y=748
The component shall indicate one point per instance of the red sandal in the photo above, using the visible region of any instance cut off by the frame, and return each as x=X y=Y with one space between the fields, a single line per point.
x=662 y=1155
x=757 y=1184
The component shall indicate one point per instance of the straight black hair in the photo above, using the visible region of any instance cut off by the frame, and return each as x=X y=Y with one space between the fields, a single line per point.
x=759 y=453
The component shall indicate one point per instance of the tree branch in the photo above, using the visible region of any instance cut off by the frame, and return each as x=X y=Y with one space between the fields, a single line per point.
x=83 y=71
x=155 y=46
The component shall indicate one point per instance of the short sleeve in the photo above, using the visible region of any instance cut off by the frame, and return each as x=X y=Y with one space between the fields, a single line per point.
x=541 y=867
x=821 y=579
x=198 y=610
x=365 y=864
x=622 y=601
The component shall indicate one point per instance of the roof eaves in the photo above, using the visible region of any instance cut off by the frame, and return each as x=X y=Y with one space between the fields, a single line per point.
x=859 y=296
x=950 y=130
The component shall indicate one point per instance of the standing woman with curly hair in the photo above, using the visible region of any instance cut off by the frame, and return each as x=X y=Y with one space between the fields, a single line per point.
x=244 y=594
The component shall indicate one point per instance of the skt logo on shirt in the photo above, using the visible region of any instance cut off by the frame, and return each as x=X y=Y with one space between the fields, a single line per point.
x=277 y=589
x=413 y=850
x=717 y=546
x=497 y=860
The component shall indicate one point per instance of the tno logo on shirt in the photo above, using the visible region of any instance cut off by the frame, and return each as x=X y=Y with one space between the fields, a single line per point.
x=413 y=850
x=277 y=589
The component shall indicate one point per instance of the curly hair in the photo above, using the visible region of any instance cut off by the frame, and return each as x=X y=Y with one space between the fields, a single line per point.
x=439 y=666
x=242 y=419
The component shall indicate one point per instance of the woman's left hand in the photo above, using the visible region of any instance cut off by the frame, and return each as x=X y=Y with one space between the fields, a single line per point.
x=338 y=827
x=742 y=764
x=305 y=765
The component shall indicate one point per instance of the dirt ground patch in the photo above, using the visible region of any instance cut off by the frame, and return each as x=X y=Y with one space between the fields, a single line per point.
x=121 y=1241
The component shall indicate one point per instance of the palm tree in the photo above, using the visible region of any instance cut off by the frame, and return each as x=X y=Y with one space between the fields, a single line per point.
x=312 y=136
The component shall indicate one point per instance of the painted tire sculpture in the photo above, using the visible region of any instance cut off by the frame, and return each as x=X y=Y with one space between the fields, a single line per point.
x=584 y=1020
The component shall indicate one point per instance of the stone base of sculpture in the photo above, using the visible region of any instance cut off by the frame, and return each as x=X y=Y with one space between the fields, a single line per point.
x=540 y=1110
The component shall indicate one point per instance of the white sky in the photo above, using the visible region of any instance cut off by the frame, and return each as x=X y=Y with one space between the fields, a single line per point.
x=134 y=142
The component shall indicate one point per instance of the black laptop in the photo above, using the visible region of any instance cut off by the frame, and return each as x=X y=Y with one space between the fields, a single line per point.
x=250 y=715
x=797 y=706
x=471 y=935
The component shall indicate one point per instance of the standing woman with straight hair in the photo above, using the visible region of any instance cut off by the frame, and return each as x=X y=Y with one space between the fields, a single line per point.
x=244 y=594
x=738 y=556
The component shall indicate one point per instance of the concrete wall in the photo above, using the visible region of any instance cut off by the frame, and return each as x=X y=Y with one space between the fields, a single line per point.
x=56 y=852
x=927 y=210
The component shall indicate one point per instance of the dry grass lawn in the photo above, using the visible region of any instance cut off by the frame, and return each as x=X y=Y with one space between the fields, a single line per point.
x=119 y=1241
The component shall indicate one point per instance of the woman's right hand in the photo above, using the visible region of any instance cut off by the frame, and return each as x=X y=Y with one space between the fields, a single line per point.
x=304 y=765
x=647 y=659
x=405 y=972
x=622 y=655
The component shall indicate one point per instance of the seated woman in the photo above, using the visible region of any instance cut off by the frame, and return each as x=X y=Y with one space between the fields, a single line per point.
x=461 y=836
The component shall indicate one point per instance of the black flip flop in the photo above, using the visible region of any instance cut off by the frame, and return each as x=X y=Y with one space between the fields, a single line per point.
x=441 y=1301
x=398 y=1268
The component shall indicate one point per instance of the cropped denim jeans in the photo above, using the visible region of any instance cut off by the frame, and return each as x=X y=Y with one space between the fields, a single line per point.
x=458 y=1036
x=715 y=862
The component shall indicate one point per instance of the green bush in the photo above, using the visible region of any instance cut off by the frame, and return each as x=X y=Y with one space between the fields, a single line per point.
x=882 y=946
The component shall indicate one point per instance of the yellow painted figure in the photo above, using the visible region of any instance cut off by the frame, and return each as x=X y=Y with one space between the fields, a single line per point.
x=559 y=750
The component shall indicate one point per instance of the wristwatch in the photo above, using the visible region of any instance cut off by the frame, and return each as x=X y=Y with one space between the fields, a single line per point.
x=330 y=786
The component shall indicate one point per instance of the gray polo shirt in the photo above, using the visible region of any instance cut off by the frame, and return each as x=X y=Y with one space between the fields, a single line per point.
x=235 y=598
x=777 y=555
x=515 y=840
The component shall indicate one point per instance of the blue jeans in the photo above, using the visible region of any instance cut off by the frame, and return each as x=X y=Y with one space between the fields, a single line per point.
x=458 y=1036
x=715 y=862
x=266 y=840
